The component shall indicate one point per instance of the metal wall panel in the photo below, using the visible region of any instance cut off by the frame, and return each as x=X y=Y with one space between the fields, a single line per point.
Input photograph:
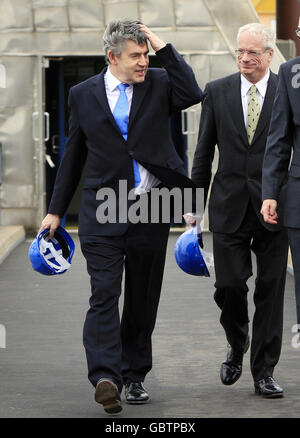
x=15 y=14
x=120 y=9
x=157 y=13
x=195 y=41
x=90 y=43
x=85 y=15
x=192 y=13
x=16 y=42
x=19 y=216
x=49 y=3
x=17 y=92
x=16 y=107
x=51 y=19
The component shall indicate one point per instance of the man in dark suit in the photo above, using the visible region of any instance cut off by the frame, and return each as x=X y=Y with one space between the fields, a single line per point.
x=119 y=128
x=278 y=168
x=235 y=115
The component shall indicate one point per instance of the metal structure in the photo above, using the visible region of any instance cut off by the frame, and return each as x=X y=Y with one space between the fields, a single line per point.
x=33 y=33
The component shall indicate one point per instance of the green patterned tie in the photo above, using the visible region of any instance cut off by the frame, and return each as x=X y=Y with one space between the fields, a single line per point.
x=253 y=113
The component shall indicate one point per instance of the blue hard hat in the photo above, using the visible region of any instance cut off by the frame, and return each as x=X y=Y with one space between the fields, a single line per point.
x=52 y=256
x=188 y=253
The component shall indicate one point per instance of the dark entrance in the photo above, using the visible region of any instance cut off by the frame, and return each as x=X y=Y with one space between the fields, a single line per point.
x=61 y=75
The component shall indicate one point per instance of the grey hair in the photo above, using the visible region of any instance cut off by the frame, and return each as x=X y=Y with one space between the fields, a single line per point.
x=118 y=31
x=259 y=29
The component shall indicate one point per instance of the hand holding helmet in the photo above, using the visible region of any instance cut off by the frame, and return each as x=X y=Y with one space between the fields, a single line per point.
x=51 y=222
x=52 y=255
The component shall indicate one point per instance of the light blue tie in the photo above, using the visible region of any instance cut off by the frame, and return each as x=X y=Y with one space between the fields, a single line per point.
x=121 y=117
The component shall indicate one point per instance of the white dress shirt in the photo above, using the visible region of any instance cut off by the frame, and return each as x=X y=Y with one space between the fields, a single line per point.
x=245 y=92
x=112 y=92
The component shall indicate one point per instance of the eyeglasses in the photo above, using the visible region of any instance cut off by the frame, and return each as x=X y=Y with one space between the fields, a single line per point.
x=298 y=31
x=251 y=53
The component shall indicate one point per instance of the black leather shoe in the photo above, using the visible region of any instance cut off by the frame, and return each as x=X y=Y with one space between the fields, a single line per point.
x=135 y=393
x=268 y=388
x=108 y=395
x=231 y=368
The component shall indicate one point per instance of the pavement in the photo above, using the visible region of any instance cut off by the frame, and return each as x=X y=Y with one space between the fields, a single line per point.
x=43 y=371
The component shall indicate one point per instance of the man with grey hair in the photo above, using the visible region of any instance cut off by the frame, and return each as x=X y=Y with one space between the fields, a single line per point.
x=236 y=115
x=119 y=128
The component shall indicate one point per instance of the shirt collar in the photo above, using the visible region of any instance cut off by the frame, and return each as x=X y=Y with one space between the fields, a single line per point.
x=260 y=85
x=111 y=80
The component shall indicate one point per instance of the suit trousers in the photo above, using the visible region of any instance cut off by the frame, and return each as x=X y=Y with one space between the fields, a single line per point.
x=233 y=267
x=294 y=240
x=122 y=350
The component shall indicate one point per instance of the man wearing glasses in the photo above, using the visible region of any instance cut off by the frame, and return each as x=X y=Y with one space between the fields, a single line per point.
x=236 y=115
x=284 y=143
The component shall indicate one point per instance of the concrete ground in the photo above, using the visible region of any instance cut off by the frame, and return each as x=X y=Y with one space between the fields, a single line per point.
x=43 y=368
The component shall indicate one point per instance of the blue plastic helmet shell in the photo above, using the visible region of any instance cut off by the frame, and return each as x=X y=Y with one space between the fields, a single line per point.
x=52 y=256
x=188 y=254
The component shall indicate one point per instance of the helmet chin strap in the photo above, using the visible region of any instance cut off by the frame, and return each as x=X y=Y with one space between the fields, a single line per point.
x=44 y=245
x=208 y=257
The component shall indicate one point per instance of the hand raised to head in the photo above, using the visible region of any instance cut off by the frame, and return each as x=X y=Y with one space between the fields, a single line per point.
x=154 y=40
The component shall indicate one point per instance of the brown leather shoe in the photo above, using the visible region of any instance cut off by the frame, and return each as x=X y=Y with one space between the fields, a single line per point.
x=108 y=395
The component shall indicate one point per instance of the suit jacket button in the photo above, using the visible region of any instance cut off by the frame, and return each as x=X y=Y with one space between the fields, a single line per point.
x=131 y=153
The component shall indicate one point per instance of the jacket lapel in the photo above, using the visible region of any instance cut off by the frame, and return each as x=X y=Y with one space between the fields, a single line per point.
x=139 y=91
x=236 y=108
x=266 y=110
x=98 y=89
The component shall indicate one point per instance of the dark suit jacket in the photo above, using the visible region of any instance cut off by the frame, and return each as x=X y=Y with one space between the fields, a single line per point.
x=95 y=138
x=284 y=142
x=238 y=177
